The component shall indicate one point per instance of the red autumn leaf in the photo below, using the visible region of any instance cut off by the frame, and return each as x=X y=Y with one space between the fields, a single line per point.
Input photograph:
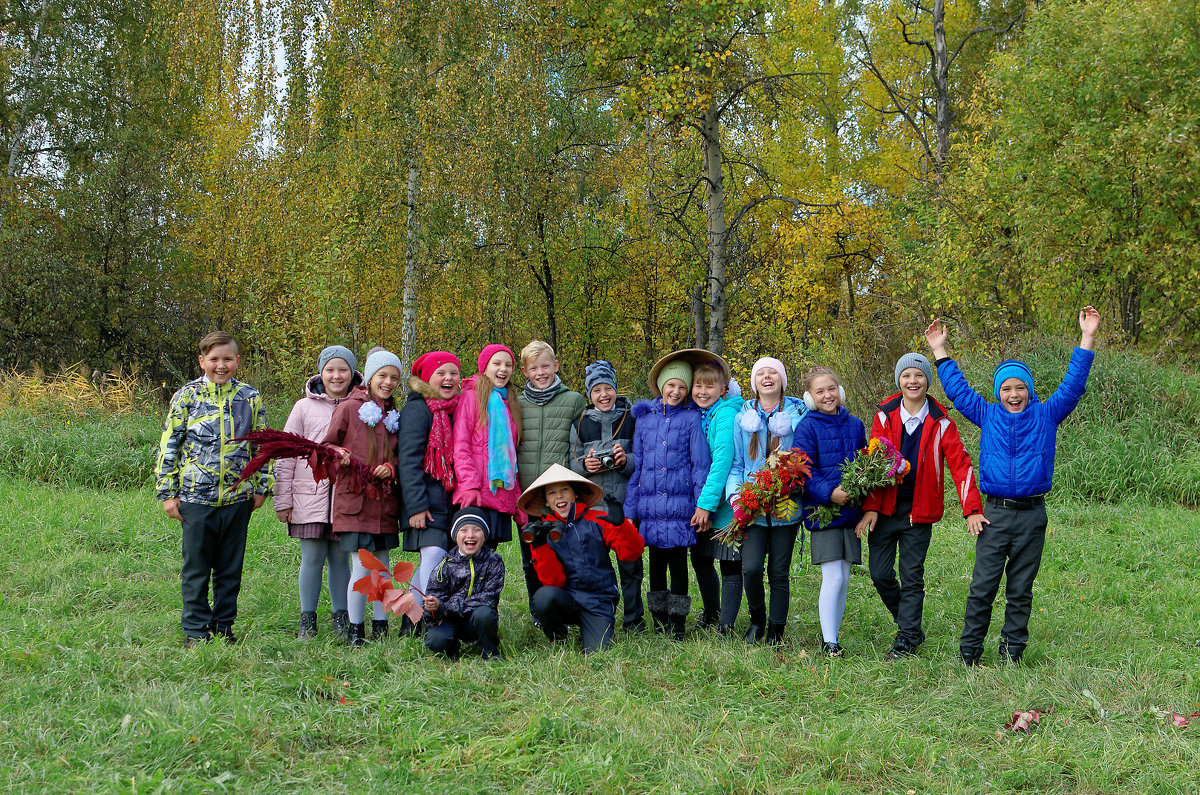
x=1180 y=720
x=390 y=597
x=372 y=586
x=370 y=562
x=409 y=606
x=1023 y=721
x=403 y=572
x=344 y=700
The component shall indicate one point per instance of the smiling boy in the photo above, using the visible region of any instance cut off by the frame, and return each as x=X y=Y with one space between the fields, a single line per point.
x=198 y=461
x=464 y=592
x=1016 y=468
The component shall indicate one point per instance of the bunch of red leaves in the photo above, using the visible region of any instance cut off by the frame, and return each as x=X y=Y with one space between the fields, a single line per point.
x=325 y=461
x=393 y=589
x=768 y=491
x=1023 y=721
x=1180 y=721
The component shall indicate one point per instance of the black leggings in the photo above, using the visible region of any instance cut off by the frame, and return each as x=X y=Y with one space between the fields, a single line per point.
x=674 y=559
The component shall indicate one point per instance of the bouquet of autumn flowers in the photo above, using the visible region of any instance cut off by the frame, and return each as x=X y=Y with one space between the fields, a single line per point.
x=768 y=492
x=876 y=467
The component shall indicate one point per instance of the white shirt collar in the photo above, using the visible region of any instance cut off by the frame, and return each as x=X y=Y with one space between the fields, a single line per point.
x=913 y=421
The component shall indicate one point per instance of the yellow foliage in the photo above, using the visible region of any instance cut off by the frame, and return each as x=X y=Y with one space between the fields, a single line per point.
x=72 y=390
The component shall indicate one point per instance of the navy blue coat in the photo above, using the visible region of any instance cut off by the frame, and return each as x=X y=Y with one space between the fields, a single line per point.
x=587 y=562
x=671 y=461
x=829 y=440
x=1016 y=451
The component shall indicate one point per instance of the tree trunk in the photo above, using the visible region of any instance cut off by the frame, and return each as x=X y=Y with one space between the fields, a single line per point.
x=35 y=79
x=545 y=279
x=941 y=85
x=408 y=321
x=699 y=322
x=717 y=233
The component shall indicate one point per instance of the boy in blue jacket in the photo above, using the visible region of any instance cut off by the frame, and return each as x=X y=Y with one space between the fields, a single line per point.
x=1016 y=468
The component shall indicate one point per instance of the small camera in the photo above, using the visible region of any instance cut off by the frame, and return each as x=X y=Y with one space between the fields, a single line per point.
x=608 y=458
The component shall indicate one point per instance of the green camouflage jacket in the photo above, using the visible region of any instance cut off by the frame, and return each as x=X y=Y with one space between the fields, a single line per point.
x=198 y=460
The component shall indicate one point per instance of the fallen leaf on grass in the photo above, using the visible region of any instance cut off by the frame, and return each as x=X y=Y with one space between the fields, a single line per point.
x=344 y=700
x=1023 y=721
x=1183 y=720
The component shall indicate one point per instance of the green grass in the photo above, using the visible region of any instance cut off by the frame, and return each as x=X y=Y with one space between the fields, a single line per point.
x=99 y=694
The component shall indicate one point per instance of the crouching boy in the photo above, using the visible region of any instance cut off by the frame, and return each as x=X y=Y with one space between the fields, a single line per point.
x=571 y=547
x=464 y=591
x=1016 y=467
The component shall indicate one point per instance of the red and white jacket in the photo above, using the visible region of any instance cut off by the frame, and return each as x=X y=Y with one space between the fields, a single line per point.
x=939 y=442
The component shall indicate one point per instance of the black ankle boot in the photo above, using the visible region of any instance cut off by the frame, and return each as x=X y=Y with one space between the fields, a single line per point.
x=678 y=607
x=354 y=634
x=308 y=625
x=341 y=622
x=757 y=625
x=774 y=634
x=410 y=630
x=725 y=630
x=379 y=629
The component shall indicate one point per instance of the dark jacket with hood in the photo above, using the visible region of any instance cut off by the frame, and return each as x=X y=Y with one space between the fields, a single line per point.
x=462 y=584
x=420 y=491
x=599 y=430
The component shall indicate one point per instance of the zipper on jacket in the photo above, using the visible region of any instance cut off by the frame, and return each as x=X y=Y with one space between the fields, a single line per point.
x=471 y=584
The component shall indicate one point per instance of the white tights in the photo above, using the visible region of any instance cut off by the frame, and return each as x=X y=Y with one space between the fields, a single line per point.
x=430 y=558
x=355 y=601
x=831 y=605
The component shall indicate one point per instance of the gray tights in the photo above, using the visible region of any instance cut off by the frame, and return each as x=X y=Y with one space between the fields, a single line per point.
x=313 y=554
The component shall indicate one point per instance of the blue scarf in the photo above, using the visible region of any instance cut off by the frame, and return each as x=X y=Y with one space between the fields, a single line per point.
x=502 y=453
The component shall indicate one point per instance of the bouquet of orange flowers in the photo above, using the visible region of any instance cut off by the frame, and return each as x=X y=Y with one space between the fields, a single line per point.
x=768 y=492
x=876 y=467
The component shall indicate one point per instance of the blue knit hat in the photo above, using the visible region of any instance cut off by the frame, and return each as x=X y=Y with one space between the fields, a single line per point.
x=336 y=352
x=600 y=371
x=1011 y=368
x=379 y=359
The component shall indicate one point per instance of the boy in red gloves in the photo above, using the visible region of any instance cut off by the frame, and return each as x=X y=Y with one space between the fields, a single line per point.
x=571 y=546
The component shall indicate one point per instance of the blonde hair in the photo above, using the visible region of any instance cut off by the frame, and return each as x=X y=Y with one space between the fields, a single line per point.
x=483 y=391
x=535 y=349
x=816 y=372
x=709 y=373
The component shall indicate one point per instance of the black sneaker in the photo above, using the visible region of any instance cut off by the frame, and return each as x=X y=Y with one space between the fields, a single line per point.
x=899 y=653
x=971 y=660
x=192 y=641
x=492 y=654
x=1009 y=655
x=224 y=631
x=833 y=650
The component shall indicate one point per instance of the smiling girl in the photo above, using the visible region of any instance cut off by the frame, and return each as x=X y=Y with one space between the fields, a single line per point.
x=305 y=504
x=830 y=435
x=365 y=426
x=487 y=426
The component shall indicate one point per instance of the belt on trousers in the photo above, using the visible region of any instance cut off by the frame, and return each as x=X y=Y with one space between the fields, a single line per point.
x=1021 y=504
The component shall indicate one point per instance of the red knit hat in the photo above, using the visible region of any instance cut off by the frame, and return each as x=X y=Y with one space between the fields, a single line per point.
x=427 y=364
x=489 y=351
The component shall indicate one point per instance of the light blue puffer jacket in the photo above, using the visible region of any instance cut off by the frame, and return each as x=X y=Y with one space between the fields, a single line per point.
x=744 y=467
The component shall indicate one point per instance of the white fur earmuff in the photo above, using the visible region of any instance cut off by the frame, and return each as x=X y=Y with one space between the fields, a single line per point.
x=812 y=404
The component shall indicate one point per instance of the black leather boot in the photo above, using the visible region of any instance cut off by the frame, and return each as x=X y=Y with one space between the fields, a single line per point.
x=308 y=626
x=354 y=634
x=758 y=620
x=774 y=633
x=341 y=623
x=379 y=629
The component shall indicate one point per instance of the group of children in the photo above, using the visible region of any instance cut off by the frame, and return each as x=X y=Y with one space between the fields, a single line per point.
x=463 y=460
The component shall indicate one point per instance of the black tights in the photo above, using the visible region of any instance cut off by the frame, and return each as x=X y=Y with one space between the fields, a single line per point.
x=674 y=559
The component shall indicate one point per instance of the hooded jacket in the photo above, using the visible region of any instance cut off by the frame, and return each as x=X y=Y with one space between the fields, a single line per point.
x=420 y=491
x=462 y=584
x=599 y=430
x=471 y=455
x=719 y=423
x=353 y=511
x=940 y=443
x=546 y=433
x=579 y=561
x=198 y=459
x=743 y=466
x=295 y=486
x=1016 y=451
x=829 y=440
x=671 y=463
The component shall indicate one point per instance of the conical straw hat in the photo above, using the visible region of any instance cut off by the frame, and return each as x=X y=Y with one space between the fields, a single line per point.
x=693 y=356
x=533 y=501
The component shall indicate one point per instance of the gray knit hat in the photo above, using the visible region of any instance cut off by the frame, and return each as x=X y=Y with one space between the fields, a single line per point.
x=914 y=360
x=379 y=359
x=600 y=371
x=336 y=352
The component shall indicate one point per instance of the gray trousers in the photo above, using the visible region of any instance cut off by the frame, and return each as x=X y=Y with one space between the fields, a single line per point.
x=905 y=599
x=1011 y=546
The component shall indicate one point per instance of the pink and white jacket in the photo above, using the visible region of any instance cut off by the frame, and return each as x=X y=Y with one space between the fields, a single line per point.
x=471 y=455
x=295 y=487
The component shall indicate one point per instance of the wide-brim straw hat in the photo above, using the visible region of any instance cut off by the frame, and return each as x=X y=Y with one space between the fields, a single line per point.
x=533 y=500
x=694 y=357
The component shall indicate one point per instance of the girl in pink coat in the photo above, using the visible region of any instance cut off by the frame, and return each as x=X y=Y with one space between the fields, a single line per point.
x=486 y=432
x=304 y=504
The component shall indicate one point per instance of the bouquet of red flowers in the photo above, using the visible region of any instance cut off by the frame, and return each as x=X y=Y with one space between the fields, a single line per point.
x=876 y=467
x=768 y=492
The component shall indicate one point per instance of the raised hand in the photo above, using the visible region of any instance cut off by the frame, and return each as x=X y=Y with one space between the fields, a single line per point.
x=1089 y=323
x=936 y=336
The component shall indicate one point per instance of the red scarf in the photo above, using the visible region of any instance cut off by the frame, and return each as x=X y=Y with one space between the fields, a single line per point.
x=439 y=453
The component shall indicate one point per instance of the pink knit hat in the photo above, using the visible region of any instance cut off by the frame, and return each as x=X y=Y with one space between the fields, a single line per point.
x=427 y=364
x=489 y=351
x=763 y=364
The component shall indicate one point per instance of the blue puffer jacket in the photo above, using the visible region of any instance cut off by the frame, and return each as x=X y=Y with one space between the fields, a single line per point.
x=671 y=464
x=719 y=419
x=1016 y=451
x=829 y=440
x=744 y=467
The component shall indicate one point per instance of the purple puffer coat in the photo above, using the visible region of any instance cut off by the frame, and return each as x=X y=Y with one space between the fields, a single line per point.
x=671 y=460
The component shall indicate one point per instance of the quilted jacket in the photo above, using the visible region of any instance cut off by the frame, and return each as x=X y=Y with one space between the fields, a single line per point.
x=671 y=463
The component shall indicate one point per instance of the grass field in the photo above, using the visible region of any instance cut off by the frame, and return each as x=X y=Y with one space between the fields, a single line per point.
x=98 y=693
